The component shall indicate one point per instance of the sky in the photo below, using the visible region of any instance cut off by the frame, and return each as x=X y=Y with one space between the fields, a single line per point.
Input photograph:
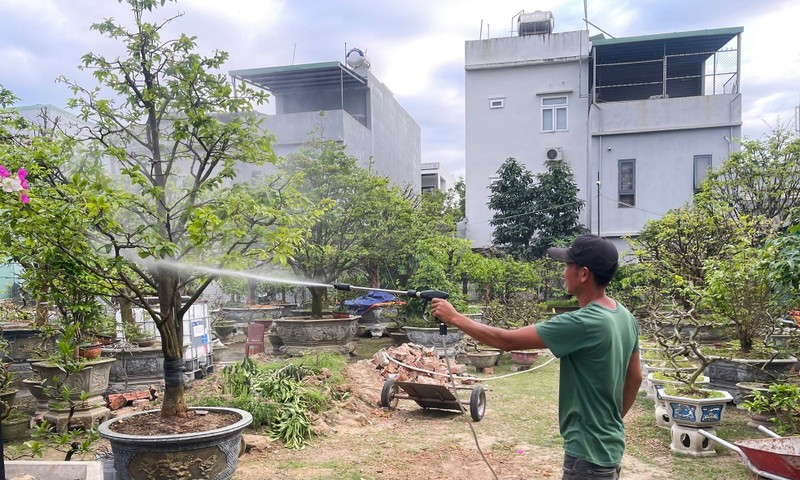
x=415 y=47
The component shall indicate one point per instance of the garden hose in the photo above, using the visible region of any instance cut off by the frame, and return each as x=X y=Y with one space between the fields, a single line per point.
x=443 y=333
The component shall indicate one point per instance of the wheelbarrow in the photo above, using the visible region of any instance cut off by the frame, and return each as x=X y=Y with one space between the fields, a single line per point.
x=776 y=458
x=433 y=396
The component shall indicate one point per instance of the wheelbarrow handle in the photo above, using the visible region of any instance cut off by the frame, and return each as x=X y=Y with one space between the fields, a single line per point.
x=742 y=455
x=769 y=432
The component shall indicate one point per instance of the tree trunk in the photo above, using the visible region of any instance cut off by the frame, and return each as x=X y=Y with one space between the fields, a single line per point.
x=317 y=294
x=252 y=286
x=373 y=275
x=171 y=329
x=125 y=311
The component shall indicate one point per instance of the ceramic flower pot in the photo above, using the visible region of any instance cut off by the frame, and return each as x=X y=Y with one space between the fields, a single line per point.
x=211 y=454
x=481 y=360
x=695 y=412
x=524 y=358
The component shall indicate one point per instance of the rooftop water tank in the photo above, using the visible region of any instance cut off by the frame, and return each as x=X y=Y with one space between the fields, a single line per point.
x=535 y=23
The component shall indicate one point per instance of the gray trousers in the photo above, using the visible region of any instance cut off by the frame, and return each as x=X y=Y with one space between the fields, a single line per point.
x=580 y=469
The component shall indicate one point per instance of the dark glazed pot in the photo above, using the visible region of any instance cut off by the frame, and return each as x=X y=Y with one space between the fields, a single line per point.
x=208 y=455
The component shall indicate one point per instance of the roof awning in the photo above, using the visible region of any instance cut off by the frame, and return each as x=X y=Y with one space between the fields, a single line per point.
x=652 y=47
x=295 y=77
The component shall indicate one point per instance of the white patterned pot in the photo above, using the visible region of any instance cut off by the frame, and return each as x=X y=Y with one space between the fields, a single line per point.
x=695 y=412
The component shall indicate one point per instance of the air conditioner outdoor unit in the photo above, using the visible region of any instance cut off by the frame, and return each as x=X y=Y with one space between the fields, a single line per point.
x=554 y=153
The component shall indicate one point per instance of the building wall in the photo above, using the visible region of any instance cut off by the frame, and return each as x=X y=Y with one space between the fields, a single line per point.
x=670 y=133
x=662 y=135
x=396 y=137
x=664 y=174
x=520 y=71
x=373 y=126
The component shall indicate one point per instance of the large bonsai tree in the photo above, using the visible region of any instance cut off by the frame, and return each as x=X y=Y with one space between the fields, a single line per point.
x=174 y=131
x=363 y=213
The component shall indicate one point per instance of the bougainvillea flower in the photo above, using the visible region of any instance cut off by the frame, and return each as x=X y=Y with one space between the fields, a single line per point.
x=3 y=172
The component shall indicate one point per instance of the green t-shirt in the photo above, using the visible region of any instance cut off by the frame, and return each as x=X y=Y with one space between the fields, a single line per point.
x=595 y=345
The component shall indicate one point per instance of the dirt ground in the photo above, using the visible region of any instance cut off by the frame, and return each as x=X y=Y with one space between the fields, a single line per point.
x=363 y=441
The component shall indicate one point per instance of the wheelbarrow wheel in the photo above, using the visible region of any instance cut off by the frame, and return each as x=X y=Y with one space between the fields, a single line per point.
x=477 y=403
x=388 y=394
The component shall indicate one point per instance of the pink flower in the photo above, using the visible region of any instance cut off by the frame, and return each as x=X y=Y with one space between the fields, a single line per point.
x=15 y=185
x=23 y=180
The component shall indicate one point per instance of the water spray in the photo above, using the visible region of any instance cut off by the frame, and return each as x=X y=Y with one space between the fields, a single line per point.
x=424 y=295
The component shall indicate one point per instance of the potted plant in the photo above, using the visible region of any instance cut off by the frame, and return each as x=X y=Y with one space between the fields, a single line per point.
x=136 y=335
x=740 y=295
x=780 y=403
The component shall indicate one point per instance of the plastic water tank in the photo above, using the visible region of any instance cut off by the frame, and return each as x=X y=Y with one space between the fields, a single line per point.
x=535 y=23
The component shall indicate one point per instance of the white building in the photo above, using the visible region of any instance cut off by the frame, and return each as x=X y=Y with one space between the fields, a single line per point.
x=436 y=177
x=640 y=120
x=360 y=111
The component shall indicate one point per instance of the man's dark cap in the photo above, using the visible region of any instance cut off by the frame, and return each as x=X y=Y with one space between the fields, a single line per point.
x=598 y=254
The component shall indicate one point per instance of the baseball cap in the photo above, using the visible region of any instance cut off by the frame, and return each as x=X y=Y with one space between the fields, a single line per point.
x=597 y=254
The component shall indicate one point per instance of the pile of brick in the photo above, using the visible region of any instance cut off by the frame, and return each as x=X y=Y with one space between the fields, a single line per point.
x=421 y=358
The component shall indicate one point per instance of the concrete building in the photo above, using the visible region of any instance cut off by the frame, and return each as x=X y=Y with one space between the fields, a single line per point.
x=360 y=111
x=640 y=120
x=436 y=177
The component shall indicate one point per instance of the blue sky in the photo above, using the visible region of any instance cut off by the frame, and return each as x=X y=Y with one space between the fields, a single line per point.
x=416 y=47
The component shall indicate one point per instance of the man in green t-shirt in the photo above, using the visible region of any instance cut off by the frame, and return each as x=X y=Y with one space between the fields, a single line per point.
x=599 y=350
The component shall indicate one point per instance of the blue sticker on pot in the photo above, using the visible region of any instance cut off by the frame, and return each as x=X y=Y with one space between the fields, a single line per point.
x=711 y=413
x=682 y=411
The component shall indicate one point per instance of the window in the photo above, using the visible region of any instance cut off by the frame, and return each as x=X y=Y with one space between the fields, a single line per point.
x=702 y=165
x=497 y=102
x=627 y=183
x=554 y=114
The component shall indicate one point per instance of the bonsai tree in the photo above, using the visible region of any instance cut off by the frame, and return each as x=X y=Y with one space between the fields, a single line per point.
x=358 y=204
x=174 y=131
x=740 y=295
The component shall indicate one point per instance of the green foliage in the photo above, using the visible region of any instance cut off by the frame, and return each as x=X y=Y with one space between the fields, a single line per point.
x=176 y=130
x=513 y=313
x=359 y=208
x=782 y=403
x=134 y=332
x=739 y=293
x=781 y=257
x=759 y=183
x=533 y=213
x=44 y=437
x=283 y=395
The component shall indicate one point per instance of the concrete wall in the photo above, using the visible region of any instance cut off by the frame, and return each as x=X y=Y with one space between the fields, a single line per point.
x=664 y=173
x=397 y=138
x=384 y=134
x=520 y=71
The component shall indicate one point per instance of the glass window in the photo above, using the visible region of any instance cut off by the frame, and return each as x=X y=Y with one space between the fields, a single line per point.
x=702 y=165
x=627 y=183
x=554 y=114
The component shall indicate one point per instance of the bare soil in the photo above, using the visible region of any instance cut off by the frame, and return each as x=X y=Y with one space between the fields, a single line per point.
x=361 y=441
x=153 y=424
